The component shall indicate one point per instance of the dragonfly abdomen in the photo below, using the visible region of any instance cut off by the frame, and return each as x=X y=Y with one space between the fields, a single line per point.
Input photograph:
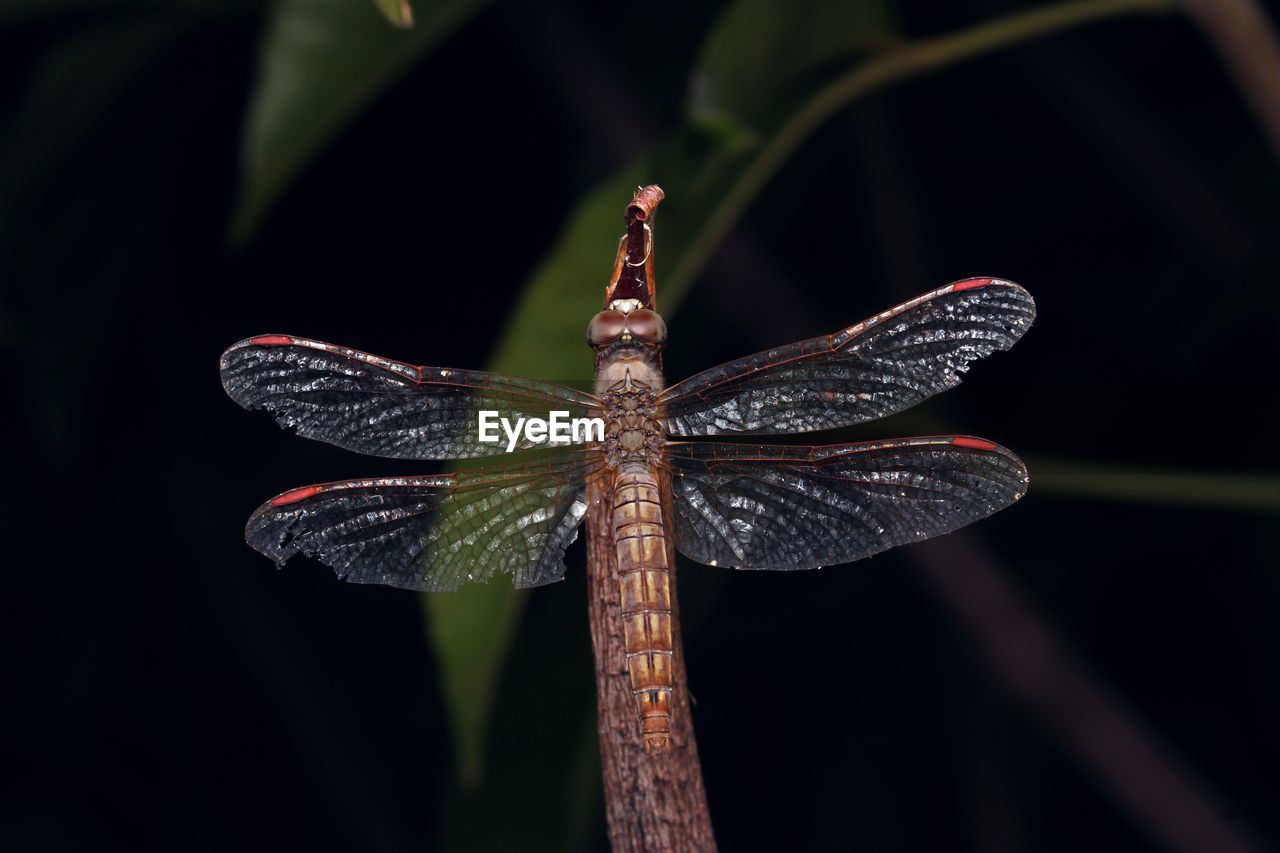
x=645 y=580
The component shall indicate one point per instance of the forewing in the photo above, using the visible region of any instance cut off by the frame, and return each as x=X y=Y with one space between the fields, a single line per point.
x=880 y=366
x=382 y=407
x=785 y=508
x=435 y=532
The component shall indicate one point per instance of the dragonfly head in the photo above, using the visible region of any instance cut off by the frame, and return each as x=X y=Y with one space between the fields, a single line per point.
x=625 y=324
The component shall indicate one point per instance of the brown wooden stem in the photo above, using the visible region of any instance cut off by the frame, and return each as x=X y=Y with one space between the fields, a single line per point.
x=653 y=802
x=633 y=269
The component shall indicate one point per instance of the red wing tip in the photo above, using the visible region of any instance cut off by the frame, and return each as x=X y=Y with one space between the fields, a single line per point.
x=295 y=495
x=271 y=340
x=973 y=283
x=975 y=443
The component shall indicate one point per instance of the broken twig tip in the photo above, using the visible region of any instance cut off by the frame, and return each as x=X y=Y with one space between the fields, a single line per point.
x=646 y=200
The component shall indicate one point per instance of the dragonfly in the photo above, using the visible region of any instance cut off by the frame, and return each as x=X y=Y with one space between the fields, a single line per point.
x=657 y=477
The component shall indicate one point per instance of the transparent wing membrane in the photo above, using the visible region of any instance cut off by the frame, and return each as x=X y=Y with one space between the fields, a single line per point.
x=382 y=407
x=436 y=532
x=785 y=508
x=880 y=366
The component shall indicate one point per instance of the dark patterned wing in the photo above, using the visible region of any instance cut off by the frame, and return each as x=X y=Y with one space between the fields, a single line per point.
x=784 y=508
x=880 y=366
x=435 y=532
x=387 y=408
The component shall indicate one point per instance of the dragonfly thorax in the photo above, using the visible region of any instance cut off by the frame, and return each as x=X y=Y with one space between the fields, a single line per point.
x=632 y=431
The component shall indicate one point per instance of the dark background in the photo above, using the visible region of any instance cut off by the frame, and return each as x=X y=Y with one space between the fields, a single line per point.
x=1083 y=671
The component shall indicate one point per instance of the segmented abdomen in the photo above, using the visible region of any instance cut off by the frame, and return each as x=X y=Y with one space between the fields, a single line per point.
x=645 y=575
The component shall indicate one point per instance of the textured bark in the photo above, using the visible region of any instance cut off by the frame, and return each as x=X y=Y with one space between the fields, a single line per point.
x=653 y=802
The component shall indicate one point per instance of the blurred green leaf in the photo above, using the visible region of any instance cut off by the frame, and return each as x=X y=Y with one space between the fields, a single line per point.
x=1085 y=479
x=398 y=12
x=471 y=629
x=322 y=63
x=762 y=56
x=546 y=334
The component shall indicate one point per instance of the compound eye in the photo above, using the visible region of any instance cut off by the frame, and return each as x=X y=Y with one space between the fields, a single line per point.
x=647 y=326
x=606 y=327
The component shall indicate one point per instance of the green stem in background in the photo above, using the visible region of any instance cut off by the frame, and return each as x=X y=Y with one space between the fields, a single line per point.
x=1246 y=44
x=1238 y=492
x=397 y=12
x=900 y=62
